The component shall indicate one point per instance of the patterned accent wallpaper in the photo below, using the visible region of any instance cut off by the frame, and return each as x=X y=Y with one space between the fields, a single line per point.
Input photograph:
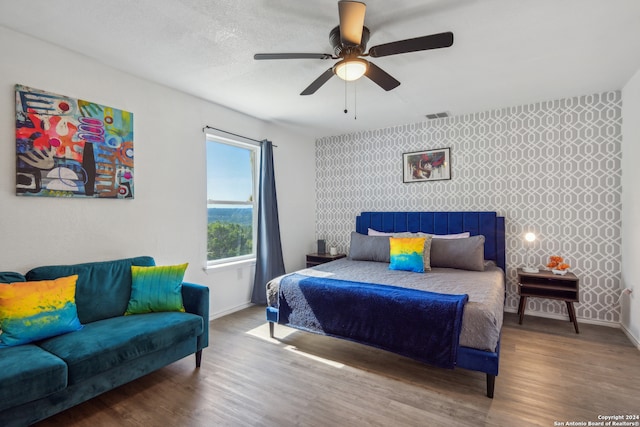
x=553 y=168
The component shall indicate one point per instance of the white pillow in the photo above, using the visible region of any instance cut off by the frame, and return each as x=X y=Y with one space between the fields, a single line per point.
x=452 y=236
x=372 y=232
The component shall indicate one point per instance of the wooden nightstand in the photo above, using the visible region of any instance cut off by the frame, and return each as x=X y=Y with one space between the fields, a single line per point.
x=545 y=284
x=317 y=259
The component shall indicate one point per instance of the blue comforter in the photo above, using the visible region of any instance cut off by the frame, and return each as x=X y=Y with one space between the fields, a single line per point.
x=418 y=324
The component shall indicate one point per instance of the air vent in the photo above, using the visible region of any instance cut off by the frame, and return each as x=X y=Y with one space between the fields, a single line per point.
x=441 y=115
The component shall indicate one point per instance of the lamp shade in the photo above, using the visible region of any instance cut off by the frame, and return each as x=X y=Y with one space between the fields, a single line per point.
x=351 y=69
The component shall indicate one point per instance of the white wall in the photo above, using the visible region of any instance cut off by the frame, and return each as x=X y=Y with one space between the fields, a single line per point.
x=631 y=207
x=168 y=218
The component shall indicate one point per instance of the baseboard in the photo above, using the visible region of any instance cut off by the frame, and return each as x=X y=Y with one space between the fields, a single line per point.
x=229 y=310
x=566 y=317
x=633 y=339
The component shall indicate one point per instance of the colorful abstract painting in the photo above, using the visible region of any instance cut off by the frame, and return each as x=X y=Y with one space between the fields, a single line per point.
x=69 y=147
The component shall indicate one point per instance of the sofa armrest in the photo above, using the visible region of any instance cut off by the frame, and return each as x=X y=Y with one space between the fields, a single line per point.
x=196 y=300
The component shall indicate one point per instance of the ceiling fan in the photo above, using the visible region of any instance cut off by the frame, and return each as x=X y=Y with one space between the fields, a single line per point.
x=349 y=41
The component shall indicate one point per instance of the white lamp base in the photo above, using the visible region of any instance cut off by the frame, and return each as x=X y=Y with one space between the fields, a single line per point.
x=530 y=270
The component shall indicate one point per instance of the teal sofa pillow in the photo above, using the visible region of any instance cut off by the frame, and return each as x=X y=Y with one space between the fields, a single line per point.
x=103 y=288
x=156 y=289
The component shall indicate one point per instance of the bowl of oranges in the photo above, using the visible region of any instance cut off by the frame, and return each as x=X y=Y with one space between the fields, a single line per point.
x=557 y=265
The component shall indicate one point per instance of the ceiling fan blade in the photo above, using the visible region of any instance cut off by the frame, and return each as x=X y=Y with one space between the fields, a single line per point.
x=292 y=56
x=317 y=83
x=434 y=41
x=381 y=77
x=351 y=21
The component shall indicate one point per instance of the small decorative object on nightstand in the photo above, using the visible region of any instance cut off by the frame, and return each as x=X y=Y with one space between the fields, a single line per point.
x=545 y=284
x=317 y=259
x=557 y=265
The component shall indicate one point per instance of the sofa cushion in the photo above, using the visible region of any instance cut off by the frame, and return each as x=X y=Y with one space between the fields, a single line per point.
x=29 y=373
x=103 y=288
x=156 y=289
x=11 y=277
x=31 y=311
x=108 y=343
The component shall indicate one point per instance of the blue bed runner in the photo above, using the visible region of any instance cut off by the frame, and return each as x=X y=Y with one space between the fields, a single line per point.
x=418 y=324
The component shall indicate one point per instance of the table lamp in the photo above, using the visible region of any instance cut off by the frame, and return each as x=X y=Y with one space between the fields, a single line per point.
x=530 y=238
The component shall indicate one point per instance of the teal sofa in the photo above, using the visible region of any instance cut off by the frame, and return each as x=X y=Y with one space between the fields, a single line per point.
x=42 y=378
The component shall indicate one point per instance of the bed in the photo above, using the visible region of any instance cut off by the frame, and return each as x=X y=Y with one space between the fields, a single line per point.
x=450 y=316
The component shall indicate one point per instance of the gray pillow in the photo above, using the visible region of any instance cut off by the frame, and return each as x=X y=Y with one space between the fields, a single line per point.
x=464 y=254
x=369 y=248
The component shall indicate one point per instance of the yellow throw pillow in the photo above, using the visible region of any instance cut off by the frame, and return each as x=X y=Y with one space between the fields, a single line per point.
x=406 y=253
x=32 y=311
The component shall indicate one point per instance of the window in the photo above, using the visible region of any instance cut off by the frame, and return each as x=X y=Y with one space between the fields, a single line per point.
x=232 y=182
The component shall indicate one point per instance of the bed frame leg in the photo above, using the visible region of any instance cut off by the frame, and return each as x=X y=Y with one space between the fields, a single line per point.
x=271 y=328
x=491 y=384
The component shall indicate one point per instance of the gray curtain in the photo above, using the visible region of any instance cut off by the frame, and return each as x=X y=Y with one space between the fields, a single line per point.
x=269 y=262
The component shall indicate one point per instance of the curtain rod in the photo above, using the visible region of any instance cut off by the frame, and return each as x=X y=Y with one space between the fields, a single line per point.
x=231 y=133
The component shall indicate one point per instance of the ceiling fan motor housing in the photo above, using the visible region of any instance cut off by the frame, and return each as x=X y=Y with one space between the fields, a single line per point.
x=343 y=50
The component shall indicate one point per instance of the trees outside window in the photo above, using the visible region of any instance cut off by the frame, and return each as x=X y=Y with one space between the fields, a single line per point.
x=231 y=200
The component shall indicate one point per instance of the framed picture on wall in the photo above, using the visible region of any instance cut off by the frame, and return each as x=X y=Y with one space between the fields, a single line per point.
x=68 y=147
x=428 y=165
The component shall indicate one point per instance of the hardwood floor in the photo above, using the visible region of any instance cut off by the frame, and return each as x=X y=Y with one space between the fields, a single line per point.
x=548 y=374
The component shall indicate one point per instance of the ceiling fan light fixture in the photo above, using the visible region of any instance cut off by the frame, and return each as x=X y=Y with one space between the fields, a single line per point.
x=351 y=69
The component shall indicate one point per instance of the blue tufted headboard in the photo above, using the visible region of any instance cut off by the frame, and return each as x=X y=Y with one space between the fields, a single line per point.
x=489 y=224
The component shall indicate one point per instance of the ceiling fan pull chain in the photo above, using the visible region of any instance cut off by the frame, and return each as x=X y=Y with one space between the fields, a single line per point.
x=345 y=97
x=355 y=100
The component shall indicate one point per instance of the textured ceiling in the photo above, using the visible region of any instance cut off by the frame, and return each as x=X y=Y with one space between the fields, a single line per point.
x=505 y=52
